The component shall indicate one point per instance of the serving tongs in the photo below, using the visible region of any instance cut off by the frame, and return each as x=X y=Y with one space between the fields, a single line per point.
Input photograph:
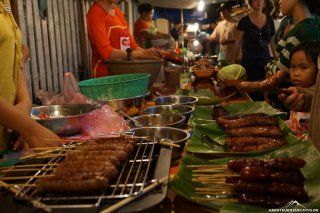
x=212 y=143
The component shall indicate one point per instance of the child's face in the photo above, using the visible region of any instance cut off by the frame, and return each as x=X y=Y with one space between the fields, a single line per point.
x=303 y=73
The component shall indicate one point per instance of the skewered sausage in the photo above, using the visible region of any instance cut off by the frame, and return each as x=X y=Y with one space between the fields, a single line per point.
x=84 y=156
x=289 y=190
x=286 y=164
x=250 y=140
x=265 y=85
x=119 y=154
x=90 y=167
x=255 y=173
x=262 y=131
x=278 y=164
x=91 y=146
x=83 y=183
x=263 y=200
x=248 y=121
x=116 y=140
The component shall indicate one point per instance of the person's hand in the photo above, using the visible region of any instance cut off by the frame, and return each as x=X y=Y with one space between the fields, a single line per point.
x=291 y=98
x=151 y=53
x=39 y=136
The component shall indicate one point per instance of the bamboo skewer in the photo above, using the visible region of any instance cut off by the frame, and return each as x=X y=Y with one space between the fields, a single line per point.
x=27 y=166
x=62 y=148
x=25 y=170
x=25 y=177
x=231 y=200
x=21 y=185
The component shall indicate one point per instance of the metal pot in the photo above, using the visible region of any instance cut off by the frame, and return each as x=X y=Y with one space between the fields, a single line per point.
x=153 y=67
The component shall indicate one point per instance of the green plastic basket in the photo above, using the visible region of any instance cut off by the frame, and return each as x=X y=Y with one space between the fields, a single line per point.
x=115 y=87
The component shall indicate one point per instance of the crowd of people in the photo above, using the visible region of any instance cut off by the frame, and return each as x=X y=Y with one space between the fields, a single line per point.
x=252 y=41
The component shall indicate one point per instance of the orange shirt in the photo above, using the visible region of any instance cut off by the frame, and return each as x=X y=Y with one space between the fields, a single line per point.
x=105 y=33
x=141 y=26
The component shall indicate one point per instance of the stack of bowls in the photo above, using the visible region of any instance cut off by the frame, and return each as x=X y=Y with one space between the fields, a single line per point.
x=165 y=119
x=176 y=99
x=173 y=109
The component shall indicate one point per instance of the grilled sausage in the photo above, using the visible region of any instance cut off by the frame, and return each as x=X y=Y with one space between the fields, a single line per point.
x=277 y=164
x=83 y=183
x=252 y=148
x=84 y=156
x=261 y=131
x=119 y=154
x=91 y=146
x=264 y=85
x=68 y=168
x=251 y=141
x=247 y=121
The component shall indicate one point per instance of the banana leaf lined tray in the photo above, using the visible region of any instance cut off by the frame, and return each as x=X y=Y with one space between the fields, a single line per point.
x=182 y=183
x=195 y=145
x=202 y=114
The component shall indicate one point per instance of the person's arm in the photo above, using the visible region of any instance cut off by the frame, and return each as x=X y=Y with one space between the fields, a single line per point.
x=273 y=48
x=238 y=44
x=34 y=134
x=149 y=36
x=296 y=98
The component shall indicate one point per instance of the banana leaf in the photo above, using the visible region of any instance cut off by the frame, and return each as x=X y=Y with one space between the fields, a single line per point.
x=202 y=114
x=207 y=97
x=195 y=145
x=182 y=183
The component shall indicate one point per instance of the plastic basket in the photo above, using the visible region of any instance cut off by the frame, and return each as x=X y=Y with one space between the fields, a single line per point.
x=116 y=86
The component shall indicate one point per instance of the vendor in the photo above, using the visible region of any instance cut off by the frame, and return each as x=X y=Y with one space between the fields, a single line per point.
x=144 y=31
x=110 y=37
x=15 y=101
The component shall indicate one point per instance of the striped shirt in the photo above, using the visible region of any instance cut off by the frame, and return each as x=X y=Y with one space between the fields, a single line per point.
x=308 y=29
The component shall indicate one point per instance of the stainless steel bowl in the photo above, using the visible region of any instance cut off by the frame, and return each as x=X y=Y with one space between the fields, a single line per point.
x=176 y=99
x=130 y=106
x=178 y=136
x=179 y=109
x=167 y=119
x=62 y=119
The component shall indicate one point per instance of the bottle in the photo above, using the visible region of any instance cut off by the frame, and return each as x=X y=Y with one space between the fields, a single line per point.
x=185 y=75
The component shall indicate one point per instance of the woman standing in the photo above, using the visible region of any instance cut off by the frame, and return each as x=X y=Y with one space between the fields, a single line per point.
x=256 y=33
x=14 y=97
x=110 y=37
x=144 y=31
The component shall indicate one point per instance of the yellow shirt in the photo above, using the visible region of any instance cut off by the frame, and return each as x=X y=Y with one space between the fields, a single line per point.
x=10 y=61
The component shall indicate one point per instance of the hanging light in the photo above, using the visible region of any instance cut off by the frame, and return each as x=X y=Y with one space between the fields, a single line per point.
x=201 y=5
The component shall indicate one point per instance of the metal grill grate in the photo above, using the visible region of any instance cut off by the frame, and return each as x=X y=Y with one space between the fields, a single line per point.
x=135 y=174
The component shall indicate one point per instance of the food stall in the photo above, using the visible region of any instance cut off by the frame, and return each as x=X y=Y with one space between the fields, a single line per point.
x=161 y=163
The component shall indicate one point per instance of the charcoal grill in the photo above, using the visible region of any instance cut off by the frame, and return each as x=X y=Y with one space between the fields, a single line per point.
x=147 y=164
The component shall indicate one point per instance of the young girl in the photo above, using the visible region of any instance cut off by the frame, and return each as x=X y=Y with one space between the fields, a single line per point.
x=303 y=74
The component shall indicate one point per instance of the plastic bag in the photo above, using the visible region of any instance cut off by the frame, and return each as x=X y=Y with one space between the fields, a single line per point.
x=103 y=122
x=70 y=95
